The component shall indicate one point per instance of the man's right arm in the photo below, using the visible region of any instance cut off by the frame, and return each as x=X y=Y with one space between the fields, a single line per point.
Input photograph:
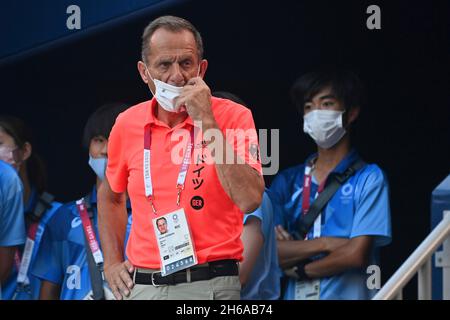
x=6 y=265
x=12 y=222
x=291 y=251
x=113 y=217
x=49 y=290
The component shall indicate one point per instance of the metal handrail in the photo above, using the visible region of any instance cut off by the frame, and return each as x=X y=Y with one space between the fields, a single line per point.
x=418 y=261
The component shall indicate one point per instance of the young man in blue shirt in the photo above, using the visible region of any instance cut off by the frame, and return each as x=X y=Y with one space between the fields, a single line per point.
x=12 y=226
x=62 y=261
x=331 y=262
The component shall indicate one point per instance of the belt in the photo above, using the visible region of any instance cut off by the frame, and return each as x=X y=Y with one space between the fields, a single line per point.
x=213 y=269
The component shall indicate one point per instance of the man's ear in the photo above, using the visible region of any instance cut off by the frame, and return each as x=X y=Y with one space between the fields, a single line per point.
x=143 y=71
x=203 y=67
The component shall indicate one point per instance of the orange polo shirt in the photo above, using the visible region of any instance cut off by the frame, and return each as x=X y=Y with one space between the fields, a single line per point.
x=214 y=220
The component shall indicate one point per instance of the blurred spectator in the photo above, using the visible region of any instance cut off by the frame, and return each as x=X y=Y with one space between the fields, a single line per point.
x=16 y=143
x=69 y=265
x=12 y=226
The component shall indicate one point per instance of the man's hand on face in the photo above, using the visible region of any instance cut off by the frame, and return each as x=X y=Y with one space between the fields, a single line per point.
x=196 y=97
x=118 y=277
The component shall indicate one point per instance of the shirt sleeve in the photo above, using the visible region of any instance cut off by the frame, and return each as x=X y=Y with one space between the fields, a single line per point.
x=12 y=226
x=372 y=216
x=116 y=170
x=276 y=195
x=48 y=262
x=265 y=214
x=255 y=214
x=245 y=139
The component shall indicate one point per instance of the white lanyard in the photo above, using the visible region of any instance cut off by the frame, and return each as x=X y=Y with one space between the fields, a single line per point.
x=309 y=290
x=147 y=166
x=307 y=180
x=24 y=264
x=89 y=232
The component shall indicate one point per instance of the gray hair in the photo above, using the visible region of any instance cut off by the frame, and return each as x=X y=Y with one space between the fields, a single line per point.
x=173 y=24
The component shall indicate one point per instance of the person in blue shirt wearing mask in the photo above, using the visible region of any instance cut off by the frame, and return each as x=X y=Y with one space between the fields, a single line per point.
x=331 y=261
x=12 y=226
x=16 y=146
x=69 y=261
x=259 y=272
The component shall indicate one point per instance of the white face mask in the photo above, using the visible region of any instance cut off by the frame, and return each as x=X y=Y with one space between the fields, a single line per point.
x=98 y=165
x=324 y=126
x=166 y=94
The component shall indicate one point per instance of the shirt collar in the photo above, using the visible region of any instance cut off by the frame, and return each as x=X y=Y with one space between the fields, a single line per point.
x=151 y=118
x=348 y=160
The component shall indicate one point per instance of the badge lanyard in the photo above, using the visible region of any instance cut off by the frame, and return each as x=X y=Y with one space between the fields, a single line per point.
x=34 y=237
x=147 y=167
x=309 y=290
x=23 y=264
x=89 y=232
x=307 y=180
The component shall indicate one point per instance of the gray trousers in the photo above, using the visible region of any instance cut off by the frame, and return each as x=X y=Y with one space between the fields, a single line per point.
x=219 y=288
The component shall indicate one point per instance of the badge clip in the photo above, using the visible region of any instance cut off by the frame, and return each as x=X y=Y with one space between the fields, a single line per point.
x=150 y=198
x=180 y=188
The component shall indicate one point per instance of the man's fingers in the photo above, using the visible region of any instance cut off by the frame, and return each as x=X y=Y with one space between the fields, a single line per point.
x=119 y=279
x=180 y=101
x=125 y=276
x=279 y=232
x=282 y=233
x=122 y=287
x=286 y=235
x=193 y=81
x=129 y=266
x=116 y=292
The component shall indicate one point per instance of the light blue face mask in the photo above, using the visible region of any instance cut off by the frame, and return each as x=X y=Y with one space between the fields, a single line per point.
x=98 y=165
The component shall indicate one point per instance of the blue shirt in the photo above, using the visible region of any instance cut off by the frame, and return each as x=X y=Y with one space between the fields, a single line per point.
x=12 y=226
x=12 y=223
x=264 y=281
x=359 y=208
x=30 y=291
x=62 y=255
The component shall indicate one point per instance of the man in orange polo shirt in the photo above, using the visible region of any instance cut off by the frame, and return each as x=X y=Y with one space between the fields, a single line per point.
x=185 y=156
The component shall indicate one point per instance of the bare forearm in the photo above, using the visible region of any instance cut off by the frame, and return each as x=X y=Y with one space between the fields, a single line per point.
x=7 y=259
x=112 y=235
x=112 y=226
x=243 y=184
x=292 y=251
x=342 y=259
x=253 y=241
x=49 y=291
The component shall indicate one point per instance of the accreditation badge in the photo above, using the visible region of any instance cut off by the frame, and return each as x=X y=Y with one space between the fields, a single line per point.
x=176 y=248
x=307 y=290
